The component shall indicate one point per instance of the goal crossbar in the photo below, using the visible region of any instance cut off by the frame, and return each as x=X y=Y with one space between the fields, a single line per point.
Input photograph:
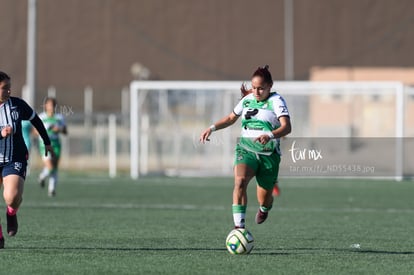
x=298 y=88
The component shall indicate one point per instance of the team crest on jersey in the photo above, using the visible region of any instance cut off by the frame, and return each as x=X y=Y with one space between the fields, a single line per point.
x=14 y=114
x=18 y=166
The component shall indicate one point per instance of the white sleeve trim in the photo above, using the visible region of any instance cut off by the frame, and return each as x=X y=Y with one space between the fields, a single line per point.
x=33 y=115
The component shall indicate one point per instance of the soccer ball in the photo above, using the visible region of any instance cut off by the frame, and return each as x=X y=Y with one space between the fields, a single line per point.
x=239 y=241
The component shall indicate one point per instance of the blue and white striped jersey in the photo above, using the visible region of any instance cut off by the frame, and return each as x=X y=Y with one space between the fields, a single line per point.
x=12 y=112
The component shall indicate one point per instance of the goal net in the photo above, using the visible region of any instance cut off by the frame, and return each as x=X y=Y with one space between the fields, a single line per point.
x=341 y=121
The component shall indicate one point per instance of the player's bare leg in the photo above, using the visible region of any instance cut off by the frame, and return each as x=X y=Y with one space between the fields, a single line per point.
x=1 y=229
x=242 y=176
x=265 y=199
x=12 y=193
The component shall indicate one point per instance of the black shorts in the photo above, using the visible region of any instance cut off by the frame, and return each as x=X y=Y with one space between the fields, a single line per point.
x=13 y=168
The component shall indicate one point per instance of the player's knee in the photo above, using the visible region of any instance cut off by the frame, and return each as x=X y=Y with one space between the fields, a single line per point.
x=12 y=199
x=241 y=182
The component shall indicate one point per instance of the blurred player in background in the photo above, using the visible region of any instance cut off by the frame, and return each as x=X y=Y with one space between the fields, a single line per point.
x=55 y=125
x=13 y=151
x=27 y=129
x=27 y=134
x=265 y=119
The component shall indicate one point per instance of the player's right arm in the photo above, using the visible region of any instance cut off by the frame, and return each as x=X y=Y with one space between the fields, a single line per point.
x=221 y=124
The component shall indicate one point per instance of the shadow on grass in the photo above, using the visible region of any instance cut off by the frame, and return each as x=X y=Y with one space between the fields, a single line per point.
x=307 y=250
x=384 y=252
x=131 y=249
x=256 y=251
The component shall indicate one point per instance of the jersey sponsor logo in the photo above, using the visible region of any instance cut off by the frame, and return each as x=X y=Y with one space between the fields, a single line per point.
x=250 y=113
x=254 y=128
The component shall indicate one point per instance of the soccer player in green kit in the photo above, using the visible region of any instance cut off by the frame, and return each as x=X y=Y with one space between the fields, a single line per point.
x=55 y=125
x=265 y=119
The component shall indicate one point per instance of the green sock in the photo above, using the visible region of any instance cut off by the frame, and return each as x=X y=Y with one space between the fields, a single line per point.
x=265 y=209
x=239 y=215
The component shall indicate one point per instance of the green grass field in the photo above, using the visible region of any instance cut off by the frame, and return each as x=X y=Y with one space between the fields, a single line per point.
x=159 y=225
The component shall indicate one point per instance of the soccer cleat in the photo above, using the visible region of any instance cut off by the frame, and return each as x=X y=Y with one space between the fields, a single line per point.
x=261 y=216
x=41 y=182
x=12 y=225
x=51 y=194
x=1 y=242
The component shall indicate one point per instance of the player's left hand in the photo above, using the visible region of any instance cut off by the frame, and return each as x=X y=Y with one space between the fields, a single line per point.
x=49 y=150
x=263 y=139
x=56 y=129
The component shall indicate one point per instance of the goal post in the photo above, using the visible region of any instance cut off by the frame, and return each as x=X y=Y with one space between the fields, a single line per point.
x=159 y=90
x=167 y=118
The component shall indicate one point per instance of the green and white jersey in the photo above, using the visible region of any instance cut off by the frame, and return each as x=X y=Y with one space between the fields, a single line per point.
x=258 y=118
x=50 y=122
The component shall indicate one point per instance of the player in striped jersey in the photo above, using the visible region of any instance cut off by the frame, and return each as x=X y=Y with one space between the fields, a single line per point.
x=13 y=151
x=265 y=119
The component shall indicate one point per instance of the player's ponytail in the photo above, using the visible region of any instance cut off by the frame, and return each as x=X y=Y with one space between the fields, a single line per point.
x=244 y=91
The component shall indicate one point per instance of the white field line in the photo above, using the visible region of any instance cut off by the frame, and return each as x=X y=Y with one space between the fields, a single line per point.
x=197 y=207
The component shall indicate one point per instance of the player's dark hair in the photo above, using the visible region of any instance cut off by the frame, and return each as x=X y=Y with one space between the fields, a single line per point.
x=4 y=76
x=49 y=98
x=264 y=73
